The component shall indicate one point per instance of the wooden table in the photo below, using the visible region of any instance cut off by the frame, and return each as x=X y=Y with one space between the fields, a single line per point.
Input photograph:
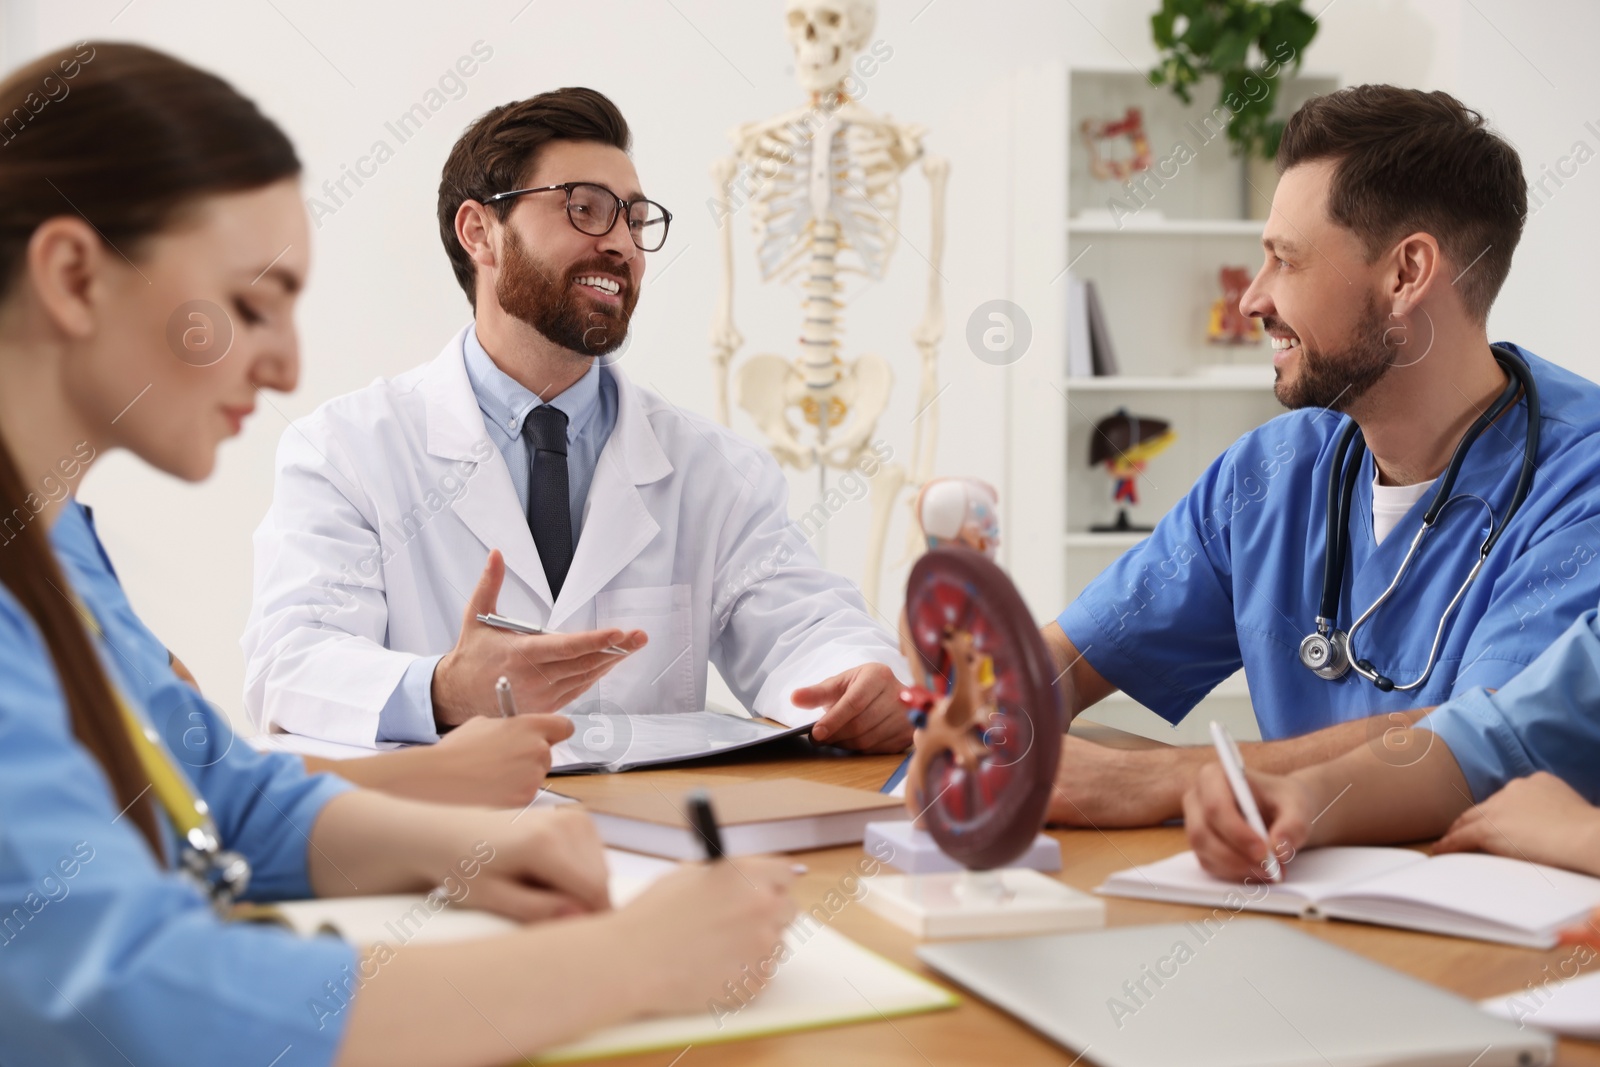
x=975 y=1032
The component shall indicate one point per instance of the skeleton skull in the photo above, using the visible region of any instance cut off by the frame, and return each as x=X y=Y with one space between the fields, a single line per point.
x=826 y=35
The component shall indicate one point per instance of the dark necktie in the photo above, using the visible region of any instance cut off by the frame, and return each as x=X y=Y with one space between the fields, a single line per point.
x=549 y=504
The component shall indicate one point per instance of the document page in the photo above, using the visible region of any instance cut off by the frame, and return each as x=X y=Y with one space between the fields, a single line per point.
x=618 y=742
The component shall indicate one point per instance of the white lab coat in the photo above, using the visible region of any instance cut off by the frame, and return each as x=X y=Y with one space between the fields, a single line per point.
x=388 y=501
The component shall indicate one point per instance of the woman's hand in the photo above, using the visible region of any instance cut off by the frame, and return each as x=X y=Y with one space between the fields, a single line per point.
x=547 y=863
x=498 y=763
x=484 y=762
x=1539 y=818
x=1223 y=841
x=699 y=927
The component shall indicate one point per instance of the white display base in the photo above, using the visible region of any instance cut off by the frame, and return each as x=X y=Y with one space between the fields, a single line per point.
x=1005 y=903
x=902 y=846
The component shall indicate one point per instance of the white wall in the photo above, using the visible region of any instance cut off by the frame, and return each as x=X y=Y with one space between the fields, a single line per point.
x=382 y=297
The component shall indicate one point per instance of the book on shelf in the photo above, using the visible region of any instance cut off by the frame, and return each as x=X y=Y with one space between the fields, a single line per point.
x=1090 y=353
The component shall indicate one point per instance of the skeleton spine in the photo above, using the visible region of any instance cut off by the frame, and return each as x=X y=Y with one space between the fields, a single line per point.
x=819 y=337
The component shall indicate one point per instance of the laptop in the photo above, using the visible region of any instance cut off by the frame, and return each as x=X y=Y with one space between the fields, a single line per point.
x=1229 y=992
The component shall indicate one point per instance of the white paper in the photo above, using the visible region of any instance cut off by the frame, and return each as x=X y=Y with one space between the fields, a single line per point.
x=600 y=741
x=621 y=741
x=1308 y=877
x=827 y=979
x=1571 y=1008
x=314 y=746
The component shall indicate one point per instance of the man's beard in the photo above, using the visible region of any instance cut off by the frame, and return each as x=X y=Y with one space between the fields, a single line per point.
x=549 y=301
x=1335 y=380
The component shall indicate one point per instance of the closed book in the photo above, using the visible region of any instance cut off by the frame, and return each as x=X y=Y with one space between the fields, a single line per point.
x=775 y=815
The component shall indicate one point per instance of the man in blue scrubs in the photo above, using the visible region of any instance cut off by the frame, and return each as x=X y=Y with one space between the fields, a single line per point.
x=1391 y=232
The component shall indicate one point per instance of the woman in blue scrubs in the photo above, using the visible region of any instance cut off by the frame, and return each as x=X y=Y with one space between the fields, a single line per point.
x=152 y=243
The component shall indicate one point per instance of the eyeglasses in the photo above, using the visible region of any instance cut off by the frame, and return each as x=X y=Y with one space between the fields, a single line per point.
x=593 y=209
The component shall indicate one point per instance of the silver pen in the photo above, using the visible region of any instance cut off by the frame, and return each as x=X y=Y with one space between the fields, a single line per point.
x=502 y=693
x=517 y=626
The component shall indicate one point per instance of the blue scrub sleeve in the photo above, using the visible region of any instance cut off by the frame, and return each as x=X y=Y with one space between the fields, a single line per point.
x=264 y=804
x=106 y=956
x=408 y=714
x=1542 y=588
x=1159 y=622
x=1547 y=718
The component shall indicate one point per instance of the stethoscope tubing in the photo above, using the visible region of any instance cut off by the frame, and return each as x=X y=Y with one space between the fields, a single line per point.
x=1341 y=490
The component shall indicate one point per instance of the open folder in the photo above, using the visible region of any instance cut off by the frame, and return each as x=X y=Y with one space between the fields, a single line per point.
x=1459 y=894
x=606 y=742
x=601 y=741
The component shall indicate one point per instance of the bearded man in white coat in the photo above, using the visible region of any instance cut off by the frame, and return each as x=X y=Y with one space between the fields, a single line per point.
x=521 y=472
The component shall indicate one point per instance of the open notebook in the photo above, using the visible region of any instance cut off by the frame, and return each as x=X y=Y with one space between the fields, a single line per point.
x=1459 y=894
x=828 y=980
x=600 y=742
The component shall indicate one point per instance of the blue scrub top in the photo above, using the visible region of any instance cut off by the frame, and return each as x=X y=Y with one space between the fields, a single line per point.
x=106 y=956
x=1232 y=576
x=1545 y=719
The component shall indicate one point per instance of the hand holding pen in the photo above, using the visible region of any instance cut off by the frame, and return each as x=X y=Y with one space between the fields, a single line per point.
x=1245 y=825
x=547 y=671
x=1233 y=766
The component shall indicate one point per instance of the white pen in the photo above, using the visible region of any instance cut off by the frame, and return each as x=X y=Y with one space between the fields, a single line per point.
x=517 y=626
x=502 y=693
x=1233 y=767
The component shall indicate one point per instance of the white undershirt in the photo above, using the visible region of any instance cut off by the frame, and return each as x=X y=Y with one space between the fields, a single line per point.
x=1391 y=502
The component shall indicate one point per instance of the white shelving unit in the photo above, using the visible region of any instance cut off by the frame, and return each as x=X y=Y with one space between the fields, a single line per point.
x=1154 y=259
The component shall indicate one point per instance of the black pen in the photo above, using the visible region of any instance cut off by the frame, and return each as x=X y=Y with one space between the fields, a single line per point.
x=704 y=822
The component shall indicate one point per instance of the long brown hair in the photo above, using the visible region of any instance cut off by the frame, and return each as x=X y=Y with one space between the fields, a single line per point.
x=127 y=138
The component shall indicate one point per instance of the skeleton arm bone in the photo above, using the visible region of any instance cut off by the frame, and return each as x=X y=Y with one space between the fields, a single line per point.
x=930 y=331
x=725 y=338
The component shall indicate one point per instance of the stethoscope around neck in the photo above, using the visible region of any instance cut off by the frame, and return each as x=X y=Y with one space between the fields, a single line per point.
x=1330 y=652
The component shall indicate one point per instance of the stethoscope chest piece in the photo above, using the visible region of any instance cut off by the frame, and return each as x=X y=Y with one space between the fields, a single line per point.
x=1326 y=655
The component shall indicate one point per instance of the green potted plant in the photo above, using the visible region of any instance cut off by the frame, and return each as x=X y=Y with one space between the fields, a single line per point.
x=1248 y=45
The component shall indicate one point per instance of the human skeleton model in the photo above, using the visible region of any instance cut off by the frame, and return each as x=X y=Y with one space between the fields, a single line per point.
x=824 y=195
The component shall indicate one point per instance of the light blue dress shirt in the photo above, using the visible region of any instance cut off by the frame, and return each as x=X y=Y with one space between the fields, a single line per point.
x=1545 y=719
x=106 y=954
x=1232 y=575
x=590 y=405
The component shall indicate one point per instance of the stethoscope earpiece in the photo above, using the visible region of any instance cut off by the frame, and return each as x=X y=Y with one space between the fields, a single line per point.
x=1384 y=684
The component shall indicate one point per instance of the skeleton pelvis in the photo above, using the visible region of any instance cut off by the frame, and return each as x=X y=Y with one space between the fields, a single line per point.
x=771 y=389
